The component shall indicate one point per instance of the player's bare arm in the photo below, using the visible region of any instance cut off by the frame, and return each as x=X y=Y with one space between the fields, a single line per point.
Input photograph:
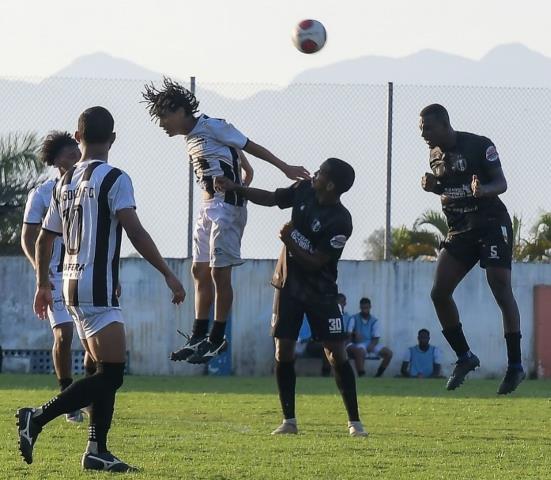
x=43 y=295
x=144 y=244
x=291 y=171
x=310 y=261
x=248 y=171
x=29 y=235
x=496 y=186
x=255 y=195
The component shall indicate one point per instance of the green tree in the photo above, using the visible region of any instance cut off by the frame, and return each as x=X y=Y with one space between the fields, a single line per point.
x=20 y=171
x=537 y=248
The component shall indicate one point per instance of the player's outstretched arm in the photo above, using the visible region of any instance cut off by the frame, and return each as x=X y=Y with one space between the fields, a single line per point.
x=144 y=244
x=255 y=195
x=43 y=295
x=291 y=171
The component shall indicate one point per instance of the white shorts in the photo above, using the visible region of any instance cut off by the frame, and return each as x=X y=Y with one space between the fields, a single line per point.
x=59 y=314
x=218 y=232
x=90 y=320
x=363 y=345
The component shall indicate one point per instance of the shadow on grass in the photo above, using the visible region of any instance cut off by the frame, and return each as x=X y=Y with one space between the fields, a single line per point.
x=391 y=387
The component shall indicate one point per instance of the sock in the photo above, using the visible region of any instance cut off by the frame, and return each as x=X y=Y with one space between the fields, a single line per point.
x=457 y=341
x=89 y=370
x=200 y=327
x=346 y=382
x=217 y=332
x=286 y=383
x=101 y=413
x=78 y=395
x=380 y=371
x=64 y=383
x=512 y=340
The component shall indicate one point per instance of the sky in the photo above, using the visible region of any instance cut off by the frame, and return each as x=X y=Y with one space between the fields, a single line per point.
x=249 y=40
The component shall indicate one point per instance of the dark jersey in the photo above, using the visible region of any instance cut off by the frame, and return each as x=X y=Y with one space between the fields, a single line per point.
x=324 y=228
x=454 y=169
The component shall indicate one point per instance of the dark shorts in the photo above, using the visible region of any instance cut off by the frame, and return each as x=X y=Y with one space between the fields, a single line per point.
x=492 y=246
x=325 y=317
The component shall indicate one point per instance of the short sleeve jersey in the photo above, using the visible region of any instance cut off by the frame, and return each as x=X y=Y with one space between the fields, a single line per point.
x=83 y=209
x=324 y=228
x=36 y=208
x=212 y=147
x=472 y=155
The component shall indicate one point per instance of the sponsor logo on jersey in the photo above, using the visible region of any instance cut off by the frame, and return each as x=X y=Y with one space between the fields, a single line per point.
x=491 y=154
x=338 y=241
x=301 y=241
x=316 y=225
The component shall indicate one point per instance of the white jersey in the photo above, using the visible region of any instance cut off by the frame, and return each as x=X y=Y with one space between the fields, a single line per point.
x=36 y=208
x=83 y=209
x=212 y=151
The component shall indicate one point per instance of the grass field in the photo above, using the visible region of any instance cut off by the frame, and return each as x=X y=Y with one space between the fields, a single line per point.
x=218 y=428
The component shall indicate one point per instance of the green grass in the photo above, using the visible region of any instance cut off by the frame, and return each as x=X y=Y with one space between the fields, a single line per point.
x=218 y=428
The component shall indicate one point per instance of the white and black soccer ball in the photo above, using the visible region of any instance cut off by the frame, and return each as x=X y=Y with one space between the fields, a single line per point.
x=309 y=36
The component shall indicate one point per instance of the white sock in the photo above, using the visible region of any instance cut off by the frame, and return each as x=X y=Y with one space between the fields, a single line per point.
x=290 y=420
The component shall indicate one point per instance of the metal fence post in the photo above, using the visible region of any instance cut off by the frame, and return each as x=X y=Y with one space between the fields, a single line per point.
x=190 y=192
x=388 y=226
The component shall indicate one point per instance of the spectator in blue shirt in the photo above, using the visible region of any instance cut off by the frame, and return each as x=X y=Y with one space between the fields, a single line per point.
x=365 y=331
x=422 y=360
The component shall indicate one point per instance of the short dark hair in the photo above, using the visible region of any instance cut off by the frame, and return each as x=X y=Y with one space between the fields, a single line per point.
x=341 y=174
x=423 y=330
x=437 y=110
x=365 y=300
x=52 y=145
x=95 y=125
x=171 y=96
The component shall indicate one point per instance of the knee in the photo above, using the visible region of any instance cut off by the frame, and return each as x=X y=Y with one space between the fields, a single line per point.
x=113 y=374
x=439 y=294
x=285 y=353
x=63 y=337
x=386 y=353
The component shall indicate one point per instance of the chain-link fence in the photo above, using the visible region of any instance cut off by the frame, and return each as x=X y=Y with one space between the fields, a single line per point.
x=302 y=124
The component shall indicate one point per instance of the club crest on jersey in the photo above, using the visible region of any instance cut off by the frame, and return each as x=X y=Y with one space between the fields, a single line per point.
x=491 y=154
x=316 y=225
x=338 y=241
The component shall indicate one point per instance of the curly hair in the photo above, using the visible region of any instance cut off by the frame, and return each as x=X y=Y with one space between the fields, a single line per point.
x=170 y=97
x=52 y=145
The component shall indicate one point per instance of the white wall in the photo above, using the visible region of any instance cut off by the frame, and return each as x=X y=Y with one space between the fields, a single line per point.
x=399 y=292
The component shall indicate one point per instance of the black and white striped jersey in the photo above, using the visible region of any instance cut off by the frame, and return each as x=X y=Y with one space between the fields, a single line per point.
x=212 y=147
x=83 y=209
x=36 y=208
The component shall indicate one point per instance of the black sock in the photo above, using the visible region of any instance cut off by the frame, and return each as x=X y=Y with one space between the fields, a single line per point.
x=200 y=327
x=346 y=382
x=513 y=349
x=217 y=332
x=286 y=384
x=380 y=371
x=64 y=383
x=101 y=413
x=79 y=394
x=457 y=340
x=89 y=369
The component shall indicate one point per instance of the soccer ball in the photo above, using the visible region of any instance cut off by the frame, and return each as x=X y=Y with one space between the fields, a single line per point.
x=309 y=36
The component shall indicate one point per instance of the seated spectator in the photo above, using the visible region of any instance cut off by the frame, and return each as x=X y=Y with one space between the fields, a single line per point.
x=366 y=333
x=422 y=360
x=306 y=346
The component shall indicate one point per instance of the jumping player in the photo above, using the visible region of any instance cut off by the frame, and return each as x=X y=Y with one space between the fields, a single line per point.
x=467 y=175
x=213 y=146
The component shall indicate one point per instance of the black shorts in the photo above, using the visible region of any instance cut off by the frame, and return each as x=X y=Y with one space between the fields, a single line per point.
x=324 y=317
x=492 y=245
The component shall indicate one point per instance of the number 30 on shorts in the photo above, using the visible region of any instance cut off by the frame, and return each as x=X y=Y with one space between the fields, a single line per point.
x=335 y=325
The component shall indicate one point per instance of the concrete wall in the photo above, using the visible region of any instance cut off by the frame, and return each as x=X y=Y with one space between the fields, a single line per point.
x=399 y=292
